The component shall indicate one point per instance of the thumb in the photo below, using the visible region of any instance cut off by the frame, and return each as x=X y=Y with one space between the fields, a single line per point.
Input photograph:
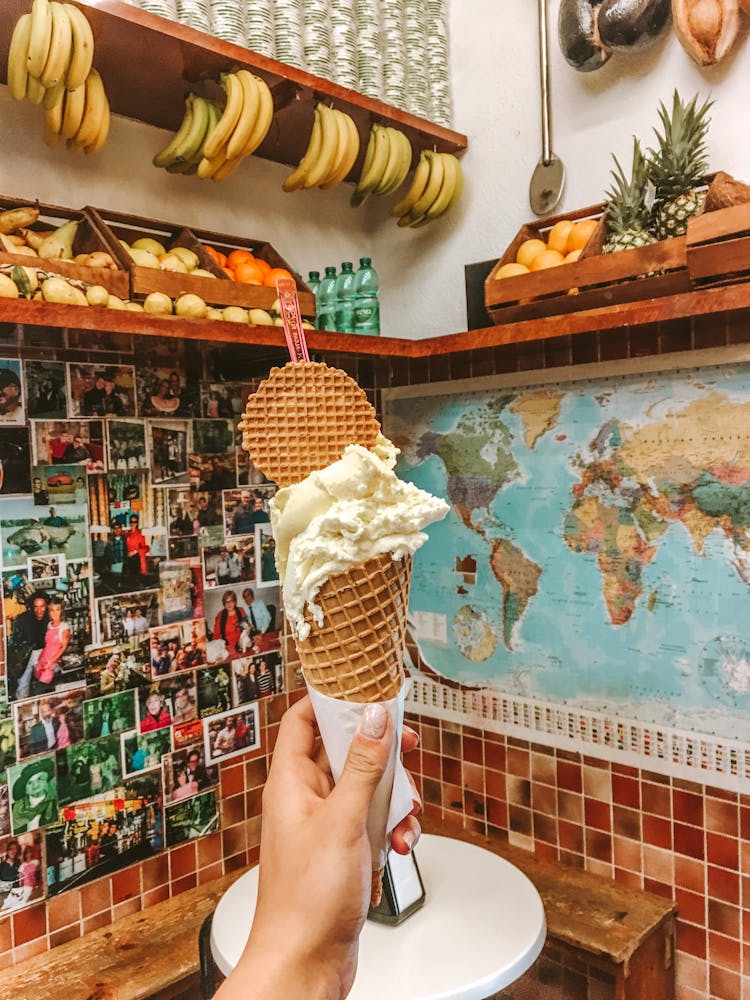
x=365 y=763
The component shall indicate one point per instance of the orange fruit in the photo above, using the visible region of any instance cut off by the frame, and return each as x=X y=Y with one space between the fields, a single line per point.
x=238 y=257
x=557 y=238
x=511 y=271
x=229 y=273
x=580 y=234
x=573 y=256
x=222 y=259
x=248 y=272
x=274 y=274
x=549 y=258
x=263 y=264
x=213 y=253
x=528 y=250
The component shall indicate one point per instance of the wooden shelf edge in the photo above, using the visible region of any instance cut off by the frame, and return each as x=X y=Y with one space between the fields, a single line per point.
x=148 y=64
x=727 y=299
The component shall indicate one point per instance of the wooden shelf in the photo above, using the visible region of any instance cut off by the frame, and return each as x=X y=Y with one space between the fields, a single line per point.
x=730 y=299
x=148 y=64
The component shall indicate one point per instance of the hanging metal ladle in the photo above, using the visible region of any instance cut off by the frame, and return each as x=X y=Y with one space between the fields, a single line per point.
x=548 y=179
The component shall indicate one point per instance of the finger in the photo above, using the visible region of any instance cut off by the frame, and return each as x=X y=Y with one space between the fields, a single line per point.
x=365 y=763
x=405 y=836
x=297 y=733
x=409 y=739
x=415 y=796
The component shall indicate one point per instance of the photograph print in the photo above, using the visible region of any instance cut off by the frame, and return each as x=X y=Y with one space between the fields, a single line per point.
x=181 y=584
x=33 y=793
x=29 y=530
x=241 y=620
x=181 y=646
x=214 y=686
x=232 y=562
x=169 y=449
x=88 y=769
x=8 y=756
x=47 y=627
x=194 y=514
x=59 y=484
x=123 y=559
x=231 y=733
x=144 y=751
x=256 y=677
x=246 y=508
x=212 y=472
x=15 y=470
x=216 y=437
x=117 y=666
x=126 y=445
x=21 y=861
x=195 y=817
x=109 y=832
x=188 y=734
x=127 y=617
x=12 y=401
x=69 y=442
x=45 y=568
x=49 y=722
x=265 y=545
x=111 y=713
x=166 y=392
x=169 y=700
x=101 y=390
x=46 y=397
x=186 y=774
x=225 y=399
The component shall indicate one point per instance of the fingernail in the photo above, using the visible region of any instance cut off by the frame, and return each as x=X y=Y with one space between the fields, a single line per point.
x=410 y=839
x=374 y=722
x=410 y=731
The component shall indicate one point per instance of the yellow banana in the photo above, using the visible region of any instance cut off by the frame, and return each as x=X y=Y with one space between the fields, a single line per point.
x=53 y=120
x=393 y=173
x=82 y=55
x=227 y=168
x=357 y=197
x=264 y=119
x=297 y=177
x=450 y=192
x=102 y=134
x=350 y=154
x=220 y=136
x=95 y=108
x=54 y=95
x=342 y=138
x=60 y=48
x=18 y=74
x=322 y=165
x=250 y=107
x=75 y=105
x=418 y=184
x=35 y=91
x=405 y=161
x=41 y=35
x=193 y=142
x=371 y=178
x=433 y=186
x=207 y=168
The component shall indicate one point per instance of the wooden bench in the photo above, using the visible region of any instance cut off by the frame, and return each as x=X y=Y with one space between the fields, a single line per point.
x=151 y=954
x=625 y=933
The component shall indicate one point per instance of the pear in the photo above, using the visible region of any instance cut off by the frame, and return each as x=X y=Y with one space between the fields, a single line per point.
x=191 y=306
x=170 y=262
x=58 y=290
x=153 y=246
x=188 y=258
x=144 y=258
x=158 y=304
x=259 y=317
x=212 y=313
x=59 y=246
x=97 y=295
x=8 y=288
x=235 y=314
x=200 y=273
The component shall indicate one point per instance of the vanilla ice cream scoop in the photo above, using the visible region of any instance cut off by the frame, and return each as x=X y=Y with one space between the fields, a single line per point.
x=341 y=516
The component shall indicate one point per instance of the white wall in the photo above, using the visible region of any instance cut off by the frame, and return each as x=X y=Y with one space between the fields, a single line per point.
x=495 y=72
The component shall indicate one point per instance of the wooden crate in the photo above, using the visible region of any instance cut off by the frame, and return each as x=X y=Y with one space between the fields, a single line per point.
x=718 y=247
x=595 y=280
x=87 y=240
x=218 y=291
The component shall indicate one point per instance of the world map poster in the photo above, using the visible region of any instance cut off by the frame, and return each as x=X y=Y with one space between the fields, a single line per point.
x=597 y=550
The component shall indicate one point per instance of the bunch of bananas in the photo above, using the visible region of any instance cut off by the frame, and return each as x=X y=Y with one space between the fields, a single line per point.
x=211 y=142
x=387 y=162
x=435 y=188
x=331 y=151
x=50 y=62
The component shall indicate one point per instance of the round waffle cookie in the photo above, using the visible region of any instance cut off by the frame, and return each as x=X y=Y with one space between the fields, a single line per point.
x=302 y=418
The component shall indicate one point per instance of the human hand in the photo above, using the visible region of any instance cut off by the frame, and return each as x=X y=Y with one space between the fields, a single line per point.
x=315 y=862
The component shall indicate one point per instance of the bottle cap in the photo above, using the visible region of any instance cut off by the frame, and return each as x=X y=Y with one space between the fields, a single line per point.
x=330 y=271
x=365 y=261
x=347 y=265
x=314 y=275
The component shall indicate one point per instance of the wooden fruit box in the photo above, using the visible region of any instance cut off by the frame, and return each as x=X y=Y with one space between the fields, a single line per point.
x=218 y=291
x=595 y=280
x=718 y=247
x=87 y=240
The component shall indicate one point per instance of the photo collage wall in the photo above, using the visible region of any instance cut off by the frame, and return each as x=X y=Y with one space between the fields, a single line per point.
x=142 y=616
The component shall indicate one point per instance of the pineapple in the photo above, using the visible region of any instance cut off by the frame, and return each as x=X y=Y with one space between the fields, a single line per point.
x=676 y=167
x=628 y=217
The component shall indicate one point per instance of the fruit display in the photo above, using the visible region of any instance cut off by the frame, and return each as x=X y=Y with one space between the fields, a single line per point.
x=149 y=252
x=628 y=214
x=331 y=151
x=50 y=62
x=211 y=142
x=565 y=242
x=435 y=188
x=591 y=30
x=707 y=31
x=387 y=162
x=246 y=267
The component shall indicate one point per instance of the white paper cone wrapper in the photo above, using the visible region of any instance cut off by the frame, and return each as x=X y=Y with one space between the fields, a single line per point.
x=338 y=722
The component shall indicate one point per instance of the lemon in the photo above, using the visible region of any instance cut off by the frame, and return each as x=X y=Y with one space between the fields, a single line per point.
x=528 y=250
x=573 y=256
x=191 y=306
x=158 y=304
x=580 y=234
x=550 y=258
x=97 y=295
x=557 y=238
x=511 y=270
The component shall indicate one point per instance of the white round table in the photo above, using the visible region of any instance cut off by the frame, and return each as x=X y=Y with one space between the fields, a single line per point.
x=481 y=927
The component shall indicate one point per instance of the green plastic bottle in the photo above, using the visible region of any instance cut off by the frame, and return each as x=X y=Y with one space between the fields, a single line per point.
x=344 y=304
x=313 y=283
x=366 y=304
x=324 y=301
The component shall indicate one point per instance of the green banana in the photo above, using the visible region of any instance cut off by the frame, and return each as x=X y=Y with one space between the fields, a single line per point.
x=169 y=153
